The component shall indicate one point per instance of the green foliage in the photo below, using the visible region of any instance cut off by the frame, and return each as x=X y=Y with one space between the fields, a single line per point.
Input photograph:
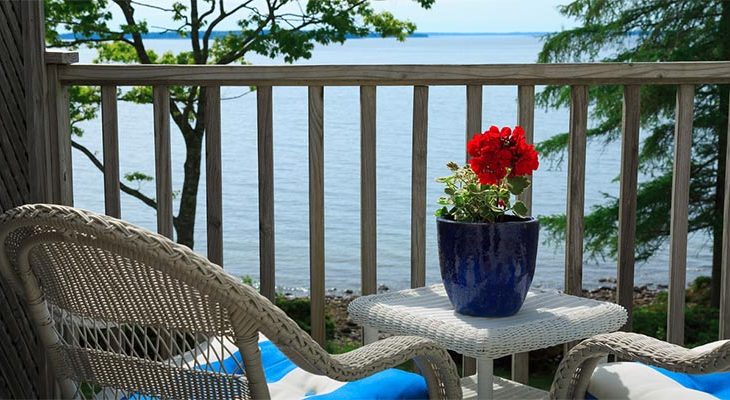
x=701 y=320
x=299 y=309
x=84 y=106
x=341 y=346
x=137 y=177
x=468 y=200
x=274 y=30
x=651 y=30
x=247 y=280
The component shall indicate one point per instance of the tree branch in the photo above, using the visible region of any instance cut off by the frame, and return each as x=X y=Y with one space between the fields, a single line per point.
x=238 y=96
x=234 y=55
x=128 y=11
x=223 y=15
x=195 y=32
x=210 y=11
x=165 y=30
x=152 y=6
x=126 y=189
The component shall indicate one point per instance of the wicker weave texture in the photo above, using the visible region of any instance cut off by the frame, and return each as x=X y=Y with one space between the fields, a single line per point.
x=575 y=370
x=546 y=319
x=504 y=389
x=116 y=306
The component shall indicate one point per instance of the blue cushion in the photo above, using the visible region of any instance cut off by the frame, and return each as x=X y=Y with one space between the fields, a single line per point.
x=390 y=384
x=716 y=384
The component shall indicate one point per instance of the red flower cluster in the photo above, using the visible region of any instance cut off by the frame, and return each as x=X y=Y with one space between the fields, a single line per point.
x=494 y=151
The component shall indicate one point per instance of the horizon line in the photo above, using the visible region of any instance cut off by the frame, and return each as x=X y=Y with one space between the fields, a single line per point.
x=417 y=34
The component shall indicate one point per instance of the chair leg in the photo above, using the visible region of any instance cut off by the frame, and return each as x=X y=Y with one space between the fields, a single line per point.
x=249 y=347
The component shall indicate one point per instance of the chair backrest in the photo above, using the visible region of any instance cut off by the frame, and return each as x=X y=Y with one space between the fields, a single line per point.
x=122 y=310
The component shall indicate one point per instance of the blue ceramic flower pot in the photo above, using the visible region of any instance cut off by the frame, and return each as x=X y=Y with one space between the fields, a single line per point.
x=487 y=268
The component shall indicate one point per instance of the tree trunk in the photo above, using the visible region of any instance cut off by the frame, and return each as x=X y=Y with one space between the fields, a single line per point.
x=185 y=220
x=722 y=130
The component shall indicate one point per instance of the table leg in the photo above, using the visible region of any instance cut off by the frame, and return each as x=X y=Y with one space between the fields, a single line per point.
x=370 y=334
x=485 y=378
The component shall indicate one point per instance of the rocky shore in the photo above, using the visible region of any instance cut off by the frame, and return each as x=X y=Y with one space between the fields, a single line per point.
x=347 y=330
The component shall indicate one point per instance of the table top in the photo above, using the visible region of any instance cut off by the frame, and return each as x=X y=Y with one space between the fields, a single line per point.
x=546 y=319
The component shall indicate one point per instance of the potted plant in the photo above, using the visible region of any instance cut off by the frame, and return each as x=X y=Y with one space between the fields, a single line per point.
x=487 y=244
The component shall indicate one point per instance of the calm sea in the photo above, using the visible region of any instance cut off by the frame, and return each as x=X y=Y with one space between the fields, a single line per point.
x=394 y=105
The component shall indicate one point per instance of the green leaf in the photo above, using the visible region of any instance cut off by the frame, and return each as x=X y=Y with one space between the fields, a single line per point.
x=520 y=209
x=518 y=184
x=137 y=176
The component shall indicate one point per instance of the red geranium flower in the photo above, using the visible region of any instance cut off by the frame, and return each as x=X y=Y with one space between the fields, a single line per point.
x=495 y=152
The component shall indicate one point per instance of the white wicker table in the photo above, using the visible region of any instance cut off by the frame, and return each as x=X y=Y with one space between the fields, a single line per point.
x=546 y=319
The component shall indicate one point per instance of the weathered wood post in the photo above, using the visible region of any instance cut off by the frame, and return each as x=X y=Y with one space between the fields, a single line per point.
x=24 y=178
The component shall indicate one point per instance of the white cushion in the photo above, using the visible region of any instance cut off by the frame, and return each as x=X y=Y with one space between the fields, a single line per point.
x=629 y=380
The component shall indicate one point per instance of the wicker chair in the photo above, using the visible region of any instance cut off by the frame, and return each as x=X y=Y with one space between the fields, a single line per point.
x=574 y=373
x=117 y=307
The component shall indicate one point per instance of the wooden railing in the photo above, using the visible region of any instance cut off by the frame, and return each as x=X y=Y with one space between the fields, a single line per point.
x=473 y=77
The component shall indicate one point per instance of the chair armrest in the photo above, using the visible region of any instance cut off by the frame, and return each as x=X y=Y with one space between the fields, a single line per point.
x=433 y=361
x=575 y=370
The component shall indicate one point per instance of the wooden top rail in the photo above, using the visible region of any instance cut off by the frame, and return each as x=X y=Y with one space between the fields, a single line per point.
x=703 y=72
x=56 y=56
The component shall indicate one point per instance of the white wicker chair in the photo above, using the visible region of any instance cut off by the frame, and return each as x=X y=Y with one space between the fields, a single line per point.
x=115 y=304
x=574 y=373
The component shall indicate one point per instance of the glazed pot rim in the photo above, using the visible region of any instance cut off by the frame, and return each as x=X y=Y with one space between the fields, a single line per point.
x=526 y=220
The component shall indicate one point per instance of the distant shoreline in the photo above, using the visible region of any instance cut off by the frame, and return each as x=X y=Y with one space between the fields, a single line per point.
x=416 y=35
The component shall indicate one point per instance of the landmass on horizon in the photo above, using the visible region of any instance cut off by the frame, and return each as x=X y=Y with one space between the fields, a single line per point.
x=218 y=34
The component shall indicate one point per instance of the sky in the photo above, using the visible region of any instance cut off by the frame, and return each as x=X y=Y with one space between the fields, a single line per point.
x=482 y=15
x=464 y=16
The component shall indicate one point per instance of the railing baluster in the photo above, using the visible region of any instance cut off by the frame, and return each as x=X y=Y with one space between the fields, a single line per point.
x=110 y=135
x=680 y=206
x=163 y=159
x=627 y=200
x=368 y=208
x=473 y=126
x=418 y=186
x=725 y=284
x=316 y=210
x=526 y=119
x=265 y=122
x=59 y=129
x=213 y=176
x=368 y=247
x=64 y=146
x=473 y=111
x=576 y=190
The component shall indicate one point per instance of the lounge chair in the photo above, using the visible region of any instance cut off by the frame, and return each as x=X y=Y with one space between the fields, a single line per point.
x=126 y=313
x=652 y=369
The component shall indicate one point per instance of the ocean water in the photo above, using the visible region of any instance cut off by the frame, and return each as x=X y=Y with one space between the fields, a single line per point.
x=342 y=158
